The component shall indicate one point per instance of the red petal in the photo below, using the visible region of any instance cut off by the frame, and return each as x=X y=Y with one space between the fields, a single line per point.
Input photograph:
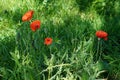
x=27 y=16
x=35 y=25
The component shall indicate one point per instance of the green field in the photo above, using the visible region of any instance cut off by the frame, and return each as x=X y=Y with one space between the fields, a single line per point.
x=76 y=53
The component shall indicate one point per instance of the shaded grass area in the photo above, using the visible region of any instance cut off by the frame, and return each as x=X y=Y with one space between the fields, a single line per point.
x=112 y=50
x=7 y=45
x=108 y=10
x=72 y=27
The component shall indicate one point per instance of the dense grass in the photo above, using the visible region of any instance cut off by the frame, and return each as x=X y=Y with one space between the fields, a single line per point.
x=74 y=53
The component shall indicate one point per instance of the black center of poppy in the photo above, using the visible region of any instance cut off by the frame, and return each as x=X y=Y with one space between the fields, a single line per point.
x=37 y=26
x=48 y=40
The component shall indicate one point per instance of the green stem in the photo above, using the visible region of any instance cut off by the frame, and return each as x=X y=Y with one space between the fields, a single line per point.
x=100 y=51
x=98 y=47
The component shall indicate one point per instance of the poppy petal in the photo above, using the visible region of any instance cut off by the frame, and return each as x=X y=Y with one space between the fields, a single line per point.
x=27 y=16
x=48 y=41
x=105 y=38
x=35 y=25
x=101 y=34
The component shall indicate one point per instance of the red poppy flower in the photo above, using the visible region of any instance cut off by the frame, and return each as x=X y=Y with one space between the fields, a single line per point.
x=102 y=34
x=48 y=41
x=27 y=16
x=35 y=25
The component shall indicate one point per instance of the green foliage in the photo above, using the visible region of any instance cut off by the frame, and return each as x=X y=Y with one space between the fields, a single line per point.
x=72 y=55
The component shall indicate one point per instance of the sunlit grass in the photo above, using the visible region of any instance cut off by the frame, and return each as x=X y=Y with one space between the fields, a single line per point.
x=72 y=55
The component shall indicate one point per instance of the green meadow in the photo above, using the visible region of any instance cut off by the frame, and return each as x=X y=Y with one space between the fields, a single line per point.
x=76 y=53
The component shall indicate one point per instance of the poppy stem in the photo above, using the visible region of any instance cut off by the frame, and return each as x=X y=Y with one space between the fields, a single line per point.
x=33 y=42
x=98 y=47
x=30 y=21
x=100 y=51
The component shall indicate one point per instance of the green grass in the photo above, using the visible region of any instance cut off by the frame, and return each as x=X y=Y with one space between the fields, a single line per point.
x=74 y=53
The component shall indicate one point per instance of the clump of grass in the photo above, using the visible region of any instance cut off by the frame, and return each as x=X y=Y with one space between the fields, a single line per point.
x=72 y=27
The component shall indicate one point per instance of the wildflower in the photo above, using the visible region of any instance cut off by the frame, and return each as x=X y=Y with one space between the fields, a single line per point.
x=102 y=34
x=48 y=41
x=27 y=16
x=35 y=25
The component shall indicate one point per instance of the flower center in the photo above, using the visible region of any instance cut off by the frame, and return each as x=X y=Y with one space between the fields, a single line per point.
x=37 y=26
x=48 y=40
